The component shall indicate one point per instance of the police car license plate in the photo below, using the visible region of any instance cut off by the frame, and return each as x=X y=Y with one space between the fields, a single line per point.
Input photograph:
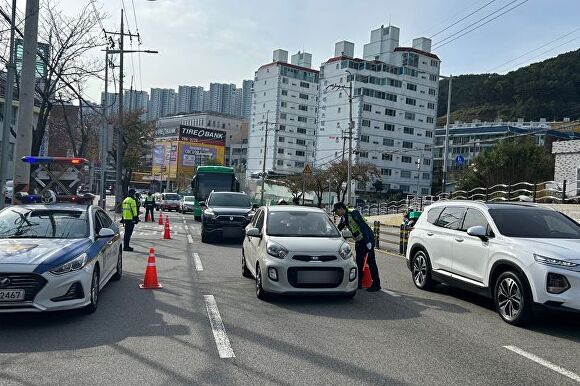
x=12 y=295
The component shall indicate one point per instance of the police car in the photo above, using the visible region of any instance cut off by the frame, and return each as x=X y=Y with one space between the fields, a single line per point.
x=56 y=252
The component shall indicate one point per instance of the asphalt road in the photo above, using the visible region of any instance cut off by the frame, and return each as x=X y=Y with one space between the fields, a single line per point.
x=174 y=335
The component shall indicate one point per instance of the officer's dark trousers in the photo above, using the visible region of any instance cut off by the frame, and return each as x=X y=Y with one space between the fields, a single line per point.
x=361 y=251
x=129 y=226
x=149 y=210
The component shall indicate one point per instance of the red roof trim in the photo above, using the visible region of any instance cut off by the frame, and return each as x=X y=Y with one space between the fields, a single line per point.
x=291 y=66
x=411 y=49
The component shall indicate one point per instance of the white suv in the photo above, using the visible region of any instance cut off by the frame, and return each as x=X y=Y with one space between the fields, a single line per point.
x=521 y=255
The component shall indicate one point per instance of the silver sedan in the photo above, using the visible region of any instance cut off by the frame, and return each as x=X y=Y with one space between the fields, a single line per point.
x=294 y=249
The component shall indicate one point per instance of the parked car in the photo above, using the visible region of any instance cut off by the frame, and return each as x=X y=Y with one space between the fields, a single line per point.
x=169 y=201
x=225 y=214
x=521 y=255
x=297 y=249
x=186 y=204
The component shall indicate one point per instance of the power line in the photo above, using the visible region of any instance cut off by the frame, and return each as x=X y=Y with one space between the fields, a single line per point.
x=545 y=52
x=463 y=18
x=453 y=36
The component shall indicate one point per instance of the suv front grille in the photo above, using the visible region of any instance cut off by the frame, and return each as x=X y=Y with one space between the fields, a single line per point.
x=31 y=283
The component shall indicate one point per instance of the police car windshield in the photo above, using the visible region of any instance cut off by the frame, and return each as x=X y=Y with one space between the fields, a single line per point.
x=171 y=196
x=300 y=224
x=45 y=224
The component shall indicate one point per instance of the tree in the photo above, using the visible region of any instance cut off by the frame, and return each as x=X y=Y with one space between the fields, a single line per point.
x=338 y=172
x=378 y=185
x=509 y=161
x=213 y=162
x=294 y=185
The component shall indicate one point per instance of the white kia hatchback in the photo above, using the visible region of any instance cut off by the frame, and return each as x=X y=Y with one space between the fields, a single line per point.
x=520 y=255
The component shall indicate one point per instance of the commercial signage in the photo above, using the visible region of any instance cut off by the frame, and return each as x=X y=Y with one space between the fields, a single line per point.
x=166 y=132
x=198 y=134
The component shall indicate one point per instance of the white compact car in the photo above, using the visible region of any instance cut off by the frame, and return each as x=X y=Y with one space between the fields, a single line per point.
x=293 y=250
x=521 y=255
x=56 y=257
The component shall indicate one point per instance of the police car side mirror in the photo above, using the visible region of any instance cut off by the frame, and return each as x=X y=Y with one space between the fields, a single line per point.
x=346 y=233
x=106 y=232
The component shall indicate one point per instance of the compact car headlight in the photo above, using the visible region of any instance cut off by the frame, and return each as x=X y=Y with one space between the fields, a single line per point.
x=276 y=250
x=345 y=251
x=73 y=265
x=554 y=262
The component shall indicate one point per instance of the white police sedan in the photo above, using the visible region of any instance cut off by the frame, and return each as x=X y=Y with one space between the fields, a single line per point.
x=56 y=257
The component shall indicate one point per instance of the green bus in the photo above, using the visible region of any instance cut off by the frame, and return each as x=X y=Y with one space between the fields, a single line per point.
x=210 y=178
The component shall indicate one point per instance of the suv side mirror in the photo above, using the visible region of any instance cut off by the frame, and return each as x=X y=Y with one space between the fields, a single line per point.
x=253 y=232
x=106 y=232
x=346 y=233
x=255 y=206
x=202 y=204
x=478 y=231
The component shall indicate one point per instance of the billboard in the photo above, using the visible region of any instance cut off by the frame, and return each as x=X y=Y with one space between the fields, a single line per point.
x=198 y=134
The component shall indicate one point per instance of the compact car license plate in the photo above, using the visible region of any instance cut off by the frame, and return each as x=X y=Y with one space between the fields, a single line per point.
x=312 y=277
x=12 y=295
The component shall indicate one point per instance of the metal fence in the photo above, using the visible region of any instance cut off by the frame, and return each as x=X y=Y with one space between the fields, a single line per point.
x=543 y=192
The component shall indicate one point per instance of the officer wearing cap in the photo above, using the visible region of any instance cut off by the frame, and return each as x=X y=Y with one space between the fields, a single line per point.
x=130 y=218
x=364 y=237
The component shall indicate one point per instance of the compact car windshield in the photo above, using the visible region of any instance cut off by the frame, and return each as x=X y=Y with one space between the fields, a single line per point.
x=171 y=197
x=535 y=223
x=46 y=224
x=230 y=200
x=189 y=198
x=300 y=224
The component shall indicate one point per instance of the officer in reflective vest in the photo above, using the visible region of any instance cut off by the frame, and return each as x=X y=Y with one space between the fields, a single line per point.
x=363 y=235
x=130 y=218
x=149 y=205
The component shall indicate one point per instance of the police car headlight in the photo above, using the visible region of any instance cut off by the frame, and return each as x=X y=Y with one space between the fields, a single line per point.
x=73 y=265
x=276 y=250
x=345 y=251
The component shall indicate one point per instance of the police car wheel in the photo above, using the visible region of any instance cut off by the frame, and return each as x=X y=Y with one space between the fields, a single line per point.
x=119 y=273
x=94 y=293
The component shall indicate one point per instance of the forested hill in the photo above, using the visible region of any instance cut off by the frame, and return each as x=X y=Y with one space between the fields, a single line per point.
x=548 y=89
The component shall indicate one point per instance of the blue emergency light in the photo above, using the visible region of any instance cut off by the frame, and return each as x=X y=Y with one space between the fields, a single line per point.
x=48 y=160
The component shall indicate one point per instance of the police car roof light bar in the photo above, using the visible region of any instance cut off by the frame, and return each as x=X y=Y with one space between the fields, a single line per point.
x=47 y=160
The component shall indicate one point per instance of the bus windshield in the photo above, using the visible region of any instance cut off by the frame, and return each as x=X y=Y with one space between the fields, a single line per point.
x=219 y=182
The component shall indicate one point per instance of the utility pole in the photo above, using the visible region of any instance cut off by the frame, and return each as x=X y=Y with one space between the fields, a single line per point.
x=446 y=147
x=26 y=98
x=10 y=70
x=304 y=175
x=418 y=181
x=264 y=159
x=104 y=135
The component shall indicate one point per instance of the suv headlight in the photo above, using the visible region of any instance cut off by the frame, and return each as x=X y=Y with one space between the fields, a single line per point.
x=276 y=250
x=345 y=251
x=209 y=213
x=554 y=262
x=73 y=265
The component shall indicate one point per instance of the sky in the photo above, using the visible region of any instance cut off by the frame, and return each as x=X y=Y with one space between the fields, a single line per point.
x=203 y=41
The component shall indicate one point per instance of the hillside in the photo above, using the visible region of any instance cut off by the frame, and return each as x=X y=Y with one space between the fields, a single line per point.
x=548 y=89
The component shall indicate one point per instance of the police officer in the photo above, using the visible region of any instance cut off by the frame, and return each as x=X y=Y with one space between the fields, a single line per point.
x=296 y=201
x=130 y=218
x=363 y=234
x=282 y=202
x=149 y=205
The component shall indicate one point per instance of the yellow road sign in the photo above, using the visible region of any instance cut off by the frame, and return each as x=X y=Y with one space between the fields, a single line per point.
x=307 y=169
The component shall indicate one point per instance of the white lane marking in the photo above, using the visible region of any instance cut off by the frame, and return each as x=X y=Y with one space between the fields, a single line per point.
x=185 y=222
x=197 y=262
x=217 y=326
x=189 y=239
x=141 y=233
x=390 y=293
x=545 y=363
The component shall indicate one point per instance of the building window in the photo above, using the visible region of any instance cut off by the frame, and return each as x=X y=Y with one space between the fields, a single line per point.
x=424 y=190
x=390 y=97
x=434 y=63
x=432 y=91
x=283 y=104
x=433 y=78
x=363 y=154
x=430 y=120
x=410 y=59
x=386 y=172
x=390 y=112
x=426 y=176
x=407 y=145
x=411 y=86
x=280 y=150
x=301 y=142
x=284 y=92
x=281 y=139
x=305 y=84
x=364 y=138
x=282 y=128
x=367 y=107
x=303 y=107
x=411 y=101
x=366 y=123
x=301 y=130
x=404 y=188
x=431 y=106
x=284 y=80
x=302 y=119
x=279 y=162
x=338 y=110
x=303 y=96
x=299 y=164
x=426 y=161
x=300 y=153
x=429 y=134
x=389 y=127
x=409 y=116
x=406 y=159
x=387 y=157
x=282 y=115
x=405 y=174
x=408 y=130
x=388 y=142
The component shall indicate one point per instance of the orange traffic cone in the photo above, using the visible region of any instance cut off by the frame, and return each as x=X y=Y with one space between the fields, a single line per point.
x=150 y=280
x=160 y=222
x=167 y=232
x=148 y=218
x=367 y=280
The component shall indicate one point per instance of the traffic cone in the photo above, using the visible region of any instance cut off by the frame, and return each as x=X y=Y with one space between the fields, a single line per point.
x=150 y=280
x=367 y=279
x=160 y=222
x=148 y=218
x=167 y=232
